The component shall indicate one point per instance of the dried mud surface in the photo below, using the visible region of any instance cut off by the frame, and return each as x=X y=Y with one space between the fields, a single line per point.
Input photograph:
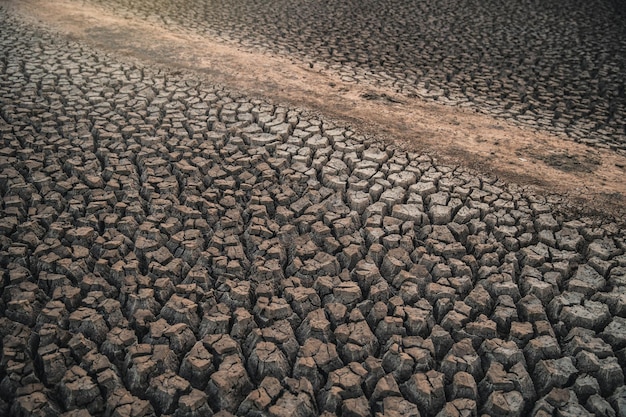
x=223 y=233
x=456 y=135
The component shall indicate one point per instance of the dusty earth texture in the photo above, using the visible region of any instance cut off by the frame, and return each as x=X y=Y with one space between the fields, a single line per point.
x=172 y=247
x=558 y=65
x=456 y=135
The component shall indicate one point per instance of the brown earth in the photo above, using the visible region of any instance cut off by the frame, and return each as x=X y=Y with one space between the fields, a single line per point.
x=591 y=178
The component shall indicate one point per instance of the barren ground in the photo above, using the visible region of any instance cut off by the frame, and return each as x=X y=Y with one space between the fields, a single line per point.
x=592 y=178
x=170 y=246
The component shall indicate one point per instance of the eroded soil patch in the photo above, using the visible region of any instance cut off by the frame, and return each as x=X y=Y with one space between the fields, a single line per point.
x=455 y=135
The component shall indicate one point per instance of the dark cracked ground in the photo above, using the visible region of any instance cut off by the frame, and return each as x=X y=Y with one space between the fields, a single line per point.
x=170 y=247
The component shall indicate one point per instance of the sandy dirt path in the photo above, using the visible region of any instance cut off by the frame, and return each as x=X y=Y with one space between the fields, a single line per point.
x=591 y=178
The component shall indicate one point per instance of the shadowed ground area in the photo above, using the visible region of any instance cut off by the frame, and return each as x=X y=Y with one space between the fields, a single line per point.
x=173 y=246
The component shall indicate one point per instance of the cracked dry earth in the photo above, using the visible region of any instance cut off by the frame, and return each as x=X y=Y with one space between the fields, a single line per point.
x=170 y=247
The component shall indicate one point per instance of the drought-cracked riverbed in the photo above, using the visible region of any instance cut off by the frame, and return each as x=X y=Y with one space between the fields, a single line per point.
x=171 y=246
